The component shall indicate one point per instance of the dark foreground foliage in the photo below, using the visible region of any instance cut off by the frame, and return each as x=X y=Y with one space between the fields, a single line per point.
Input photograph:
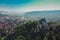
x=29 y=31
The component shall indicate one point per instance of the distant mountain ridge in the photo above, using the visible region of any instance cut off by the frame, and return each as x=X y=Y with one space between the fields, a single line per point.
x=3 y=15
x=12 y=13
x=42 y=13
x=50 y=15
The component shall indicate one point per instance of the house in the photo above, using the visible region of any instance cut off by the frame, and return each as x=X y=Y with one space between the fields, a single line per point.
x=2 y=25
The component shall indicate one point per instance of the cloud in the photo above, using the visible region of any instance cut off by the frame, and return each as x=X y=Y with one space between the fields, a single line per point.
x=31 y=8
x=29 y=5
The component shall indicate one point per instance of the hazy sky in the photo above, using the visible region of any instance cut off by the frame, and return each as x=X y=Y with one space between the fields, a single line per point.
x=29 y=5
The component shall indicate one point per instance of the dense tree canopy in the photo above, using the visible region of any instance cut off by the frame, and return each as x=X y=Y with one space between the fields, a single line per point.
x=27 y=32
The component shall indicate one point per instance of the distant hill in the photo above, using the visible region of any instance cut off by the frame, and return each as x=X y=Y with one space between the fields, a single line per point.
x=3 y=15
x=12 y=13
x=50 y=15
